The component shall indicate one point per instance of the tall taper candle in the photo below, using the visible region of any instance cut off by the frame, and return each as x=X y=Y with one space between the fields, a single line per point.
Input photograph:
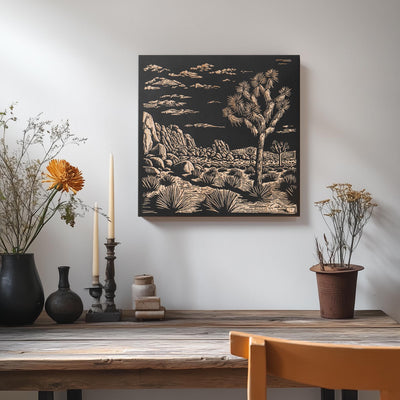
x=95 y=265
x=111 y=228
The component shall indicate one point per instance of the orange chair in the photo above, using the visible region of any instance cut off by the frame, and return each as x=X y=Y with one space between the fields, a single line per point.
x=318 y=365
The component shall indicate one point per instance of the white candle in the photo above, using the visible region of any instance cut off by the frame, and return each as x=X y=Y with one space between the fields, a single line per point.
x=111 y=228
x=95 y=264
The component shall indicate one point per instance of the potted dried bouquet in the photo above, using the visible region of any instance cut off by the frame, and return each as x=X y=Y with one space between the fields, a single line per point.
x=345 y=213
x=34 y=186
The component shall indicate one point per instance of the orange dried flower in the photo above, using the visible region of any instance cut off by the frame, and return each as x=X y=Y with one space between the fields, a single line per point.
x=63 y=176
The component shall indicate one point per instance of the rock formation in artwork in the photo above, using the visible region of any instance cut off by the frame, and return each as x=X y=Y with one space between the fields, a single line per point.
x=164 y=146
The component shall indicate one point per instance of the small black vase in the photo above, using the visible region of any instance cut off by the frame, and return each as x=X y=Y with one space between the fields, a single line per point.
x=21 y=291
x=64 y=305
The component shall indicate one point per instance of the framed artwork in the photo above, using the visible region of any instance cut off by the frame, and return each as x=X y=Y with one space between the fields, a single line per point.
x=219 y=135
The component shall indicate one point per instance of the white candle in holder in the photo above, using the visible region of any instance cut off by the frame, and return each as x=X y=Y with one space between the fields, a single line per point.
x=95 y=259
x=111 y=228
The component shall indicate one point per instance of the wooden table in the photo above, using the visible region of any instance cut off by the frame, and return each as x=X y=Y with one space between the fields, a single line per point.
x=190 y=349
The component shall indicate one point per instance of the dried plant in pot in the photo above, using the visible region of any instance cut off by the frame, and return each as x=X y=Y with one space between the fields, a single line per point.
x=345 y=213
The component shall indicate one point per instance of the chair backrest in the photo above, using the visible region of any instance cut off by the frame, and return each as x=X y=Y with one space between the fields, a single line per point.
x=329 y=366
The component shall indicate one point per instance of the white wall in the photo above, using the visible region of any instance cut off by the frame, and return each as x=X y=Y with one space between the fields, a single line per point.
x=78 y=60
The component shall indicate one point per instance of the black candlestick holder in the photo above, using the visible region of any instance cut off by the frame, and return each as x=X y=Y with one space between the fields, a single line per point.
x=109 y=312
x=96 y=291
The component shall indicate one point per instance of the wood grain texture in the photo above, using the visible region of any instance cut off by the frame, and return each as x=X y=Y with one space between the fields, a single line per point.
x=189 y=349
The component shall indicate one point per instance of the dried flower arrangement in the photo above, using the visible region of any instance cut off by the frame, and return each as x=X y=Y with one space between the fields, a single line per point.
x=25 y=205
x=345 y=214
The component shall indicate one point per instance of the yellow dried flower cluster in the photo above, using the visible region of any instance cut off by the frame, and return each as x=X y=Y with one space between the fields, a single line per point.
x=345 y=192
x=321 y=202
x=333 y=212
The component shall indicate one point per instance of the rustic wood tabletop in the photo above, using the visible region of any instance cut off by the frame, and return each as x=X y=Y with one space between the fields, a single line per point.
x=187 y=349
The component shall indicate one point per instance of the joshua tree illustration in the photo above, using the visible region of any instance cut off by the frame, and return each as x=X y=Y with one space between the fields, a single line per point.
x=253 y=106
x=279 y=148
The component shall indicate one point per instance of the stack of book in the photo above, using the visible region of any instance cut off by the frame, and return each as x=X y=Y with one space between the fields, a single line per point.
x=149 y=307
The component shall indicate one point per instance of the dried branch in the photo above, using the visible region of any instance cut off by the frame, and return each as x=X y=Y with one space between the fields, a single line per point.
x=345 y=214
x=25 y=205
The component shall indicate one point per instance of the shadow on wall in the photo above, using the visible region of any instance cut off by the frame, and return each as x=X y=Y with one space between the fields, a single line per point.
x=384 y=278
x=304 y=145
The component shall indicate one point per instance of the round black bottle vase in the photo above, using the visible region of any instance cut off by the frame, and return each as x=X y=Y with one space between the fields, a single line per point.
x=64 y=306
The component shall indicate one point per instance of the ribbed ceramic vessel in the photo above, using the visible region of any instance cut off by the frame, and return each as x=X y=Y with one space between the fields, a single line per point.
x=337 y=290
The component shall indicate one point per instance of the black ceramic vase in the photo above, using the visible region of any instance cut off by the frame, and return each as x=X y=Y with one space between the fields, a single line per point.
x=21 y=291
x=64 y=305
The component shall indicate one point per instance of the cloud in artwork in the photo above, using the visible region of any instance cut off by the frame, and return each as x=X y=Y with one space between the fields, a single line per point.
x=203 y=67
x=214 y=102
x=287 y=129
x=175 y=96
x=155 y=68
x=174 y=111
x=243 y=71
x=164 y=82
x=187 y=74
x=163 y=103
x=207 y=87
x=224 y=71
x=149 y=87
x=283 y=61
x=203 y=125
x=226 y=80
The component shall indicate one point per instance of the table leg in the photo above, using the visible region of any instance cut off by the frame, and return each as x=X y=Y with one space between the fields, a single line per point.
x=45 y=395
x=327 y=394
x=74 y=394
x=349 y=395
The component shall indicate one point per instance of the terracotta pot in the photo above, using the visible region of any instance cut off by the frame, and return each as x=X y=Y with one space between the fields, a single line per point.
x=337 y=290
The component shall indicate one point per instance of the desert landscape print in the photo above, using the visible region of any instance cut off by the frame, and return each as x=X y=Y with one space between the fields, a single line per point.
x=219 y=136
